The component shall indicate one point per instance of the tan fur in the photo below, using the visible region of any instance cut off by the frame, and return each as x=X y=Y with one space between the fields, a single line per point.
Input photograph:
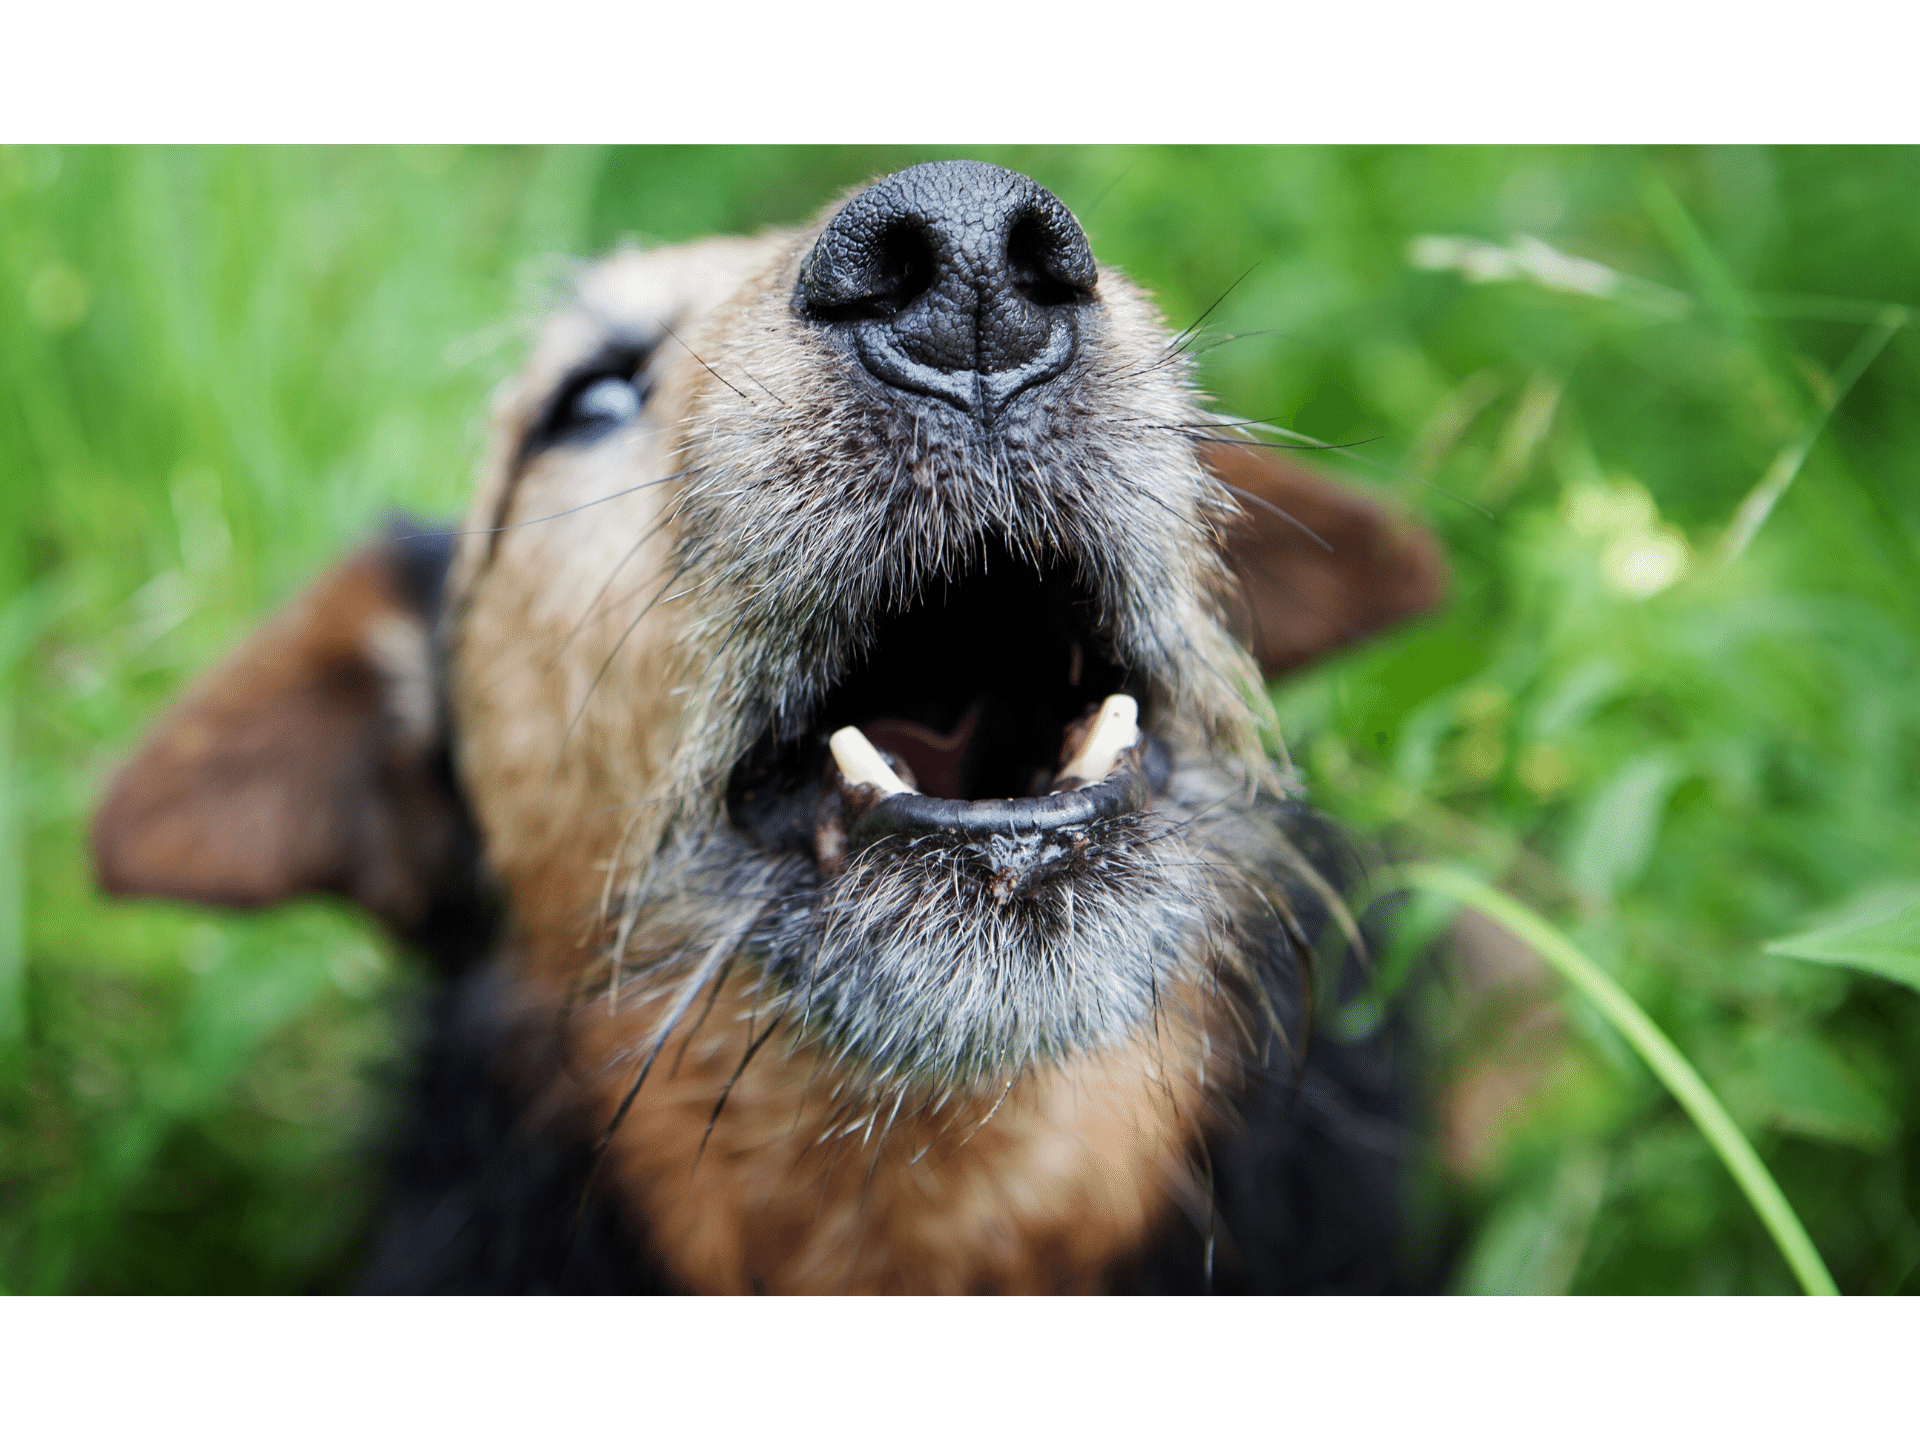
x=1038 y=1190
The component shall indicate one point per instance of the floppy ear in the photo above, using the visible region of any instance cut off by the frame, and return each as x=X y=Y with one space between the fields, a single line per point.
x=1320 y=567
x=314 y=758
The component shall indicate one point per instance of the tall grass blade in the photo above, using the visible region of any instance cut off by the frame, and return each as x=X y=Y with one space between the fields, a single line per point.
x=1666 y=1061
x=1759 y=502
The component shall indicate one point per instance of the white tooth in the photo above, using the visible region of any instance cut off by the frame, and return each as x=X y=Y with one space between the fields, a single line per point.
x=862 y=765
x=1115 y=730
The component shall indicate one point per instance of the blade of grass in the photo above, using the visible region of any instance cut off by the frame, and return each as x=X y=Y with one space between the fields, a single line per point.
x=1662 y=1057
x=1758 y=505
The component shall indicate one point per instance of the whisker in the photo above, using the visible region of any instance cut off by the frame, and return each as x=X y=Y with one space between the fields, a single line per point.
x=1219 y=424
x=753 y=1048
x=1213 y=307
x=1127 y=170
x=607 y=584
x=1268 y=505
x=721 y=952
x=700 y=974
x=557 y=515
x=993 y=1112
x=713 y=994
x=1246 y=444
x=713 y=372
x=1384 y=469
x=1224 y=340
x=607 y=664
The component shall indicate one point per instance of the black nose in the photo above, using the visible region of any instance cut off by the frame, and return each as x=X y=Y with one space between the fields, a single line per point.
x=958 y=280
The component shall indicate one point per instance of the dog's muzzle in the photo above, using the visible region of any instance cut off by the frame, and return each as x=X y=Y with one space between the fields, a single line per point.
x=990 y=711
x=956 y=280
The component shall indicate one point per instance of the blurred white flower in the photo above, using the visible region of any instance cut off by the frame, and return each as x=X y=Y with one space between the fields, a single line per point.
x=1642 y=555
x=1646 y=564
x=1530 y=258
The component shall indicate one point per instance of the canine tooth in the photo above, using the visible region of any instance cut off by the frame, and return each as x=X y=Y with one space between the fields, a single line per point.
x=862 y=765
x=1115 y=730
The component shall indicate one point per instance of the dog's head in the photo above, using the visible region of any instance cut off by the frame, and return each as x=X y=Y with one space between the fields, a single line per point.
x=871 y=619
x=920 y=480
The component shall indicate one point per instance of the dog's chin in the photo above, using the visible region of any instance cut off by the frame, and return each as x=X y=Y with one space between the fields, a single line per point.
x=922 y=968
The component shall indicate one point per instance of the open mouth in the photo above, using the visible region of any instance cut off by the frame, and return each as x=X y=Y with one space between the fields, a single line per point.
x=991 y=710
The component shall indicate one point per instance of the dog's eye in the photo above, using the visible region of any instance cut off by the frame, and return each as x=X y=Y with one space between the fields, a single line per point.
x=597 y=399
x=607 y=401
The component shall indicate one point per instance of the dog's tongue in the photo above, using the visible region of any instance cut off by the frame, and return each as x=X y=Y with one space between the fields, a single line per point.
x=933 y=758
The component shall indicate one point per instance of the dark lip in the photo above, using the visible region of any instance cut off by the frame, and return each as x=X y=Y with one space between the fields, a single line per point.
x=1142 y=772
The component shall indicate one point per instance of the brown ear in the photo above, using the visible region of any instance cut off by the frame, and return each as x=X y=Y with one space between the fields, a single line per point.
x=1320 y=567
x=313 y=759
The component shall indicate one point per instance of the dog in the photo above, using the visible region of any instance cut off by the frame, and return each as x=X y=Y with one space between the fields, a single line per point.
x=830 y=770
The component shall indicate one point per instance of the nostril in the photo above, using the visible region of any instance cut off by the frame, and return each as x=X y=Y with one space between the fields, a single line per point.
x=1041 y=266
x=879 y=278
x=904 y=266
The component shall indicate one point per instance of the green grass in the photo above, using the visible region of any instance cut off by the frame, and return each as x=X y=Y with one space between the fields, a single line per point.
x=1632 y=1024
x=1672 y=705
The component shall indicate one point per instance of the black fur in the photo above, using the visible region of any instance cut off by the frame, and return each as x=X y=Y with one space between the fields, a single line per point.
x=484 y=1198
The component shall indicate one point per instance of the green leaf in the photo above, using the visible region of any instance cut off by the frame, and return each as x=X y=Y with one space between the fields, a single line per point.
x=1531 y=1244
x=1616 y=837
x=1812 y=1091
x=1878 y=931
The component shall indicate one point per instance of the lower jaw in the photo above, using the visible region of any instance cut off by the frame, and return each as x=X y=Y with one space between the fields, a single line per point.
x=944 y=963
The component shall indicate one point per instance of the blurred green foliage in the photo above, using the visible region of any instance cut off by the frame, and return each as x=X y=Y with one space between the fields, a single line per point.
x=1679 y=721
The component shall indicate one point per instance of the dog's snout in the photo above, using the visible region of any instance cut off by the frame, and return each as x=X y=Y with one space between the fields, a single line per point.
x=958 y=280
